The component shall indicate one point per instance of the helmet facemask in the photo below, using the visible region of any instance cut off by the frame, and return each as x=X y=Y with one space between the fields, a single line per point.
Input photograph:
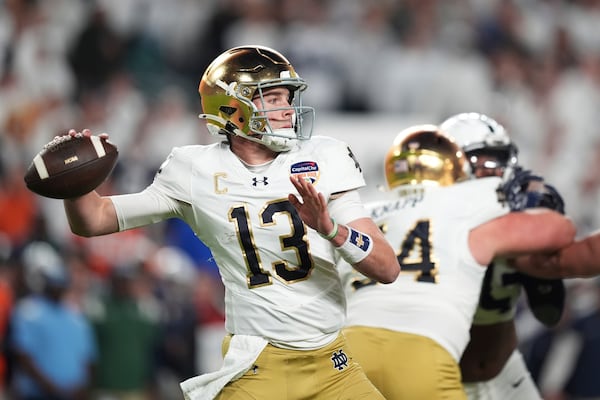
x=281 y=139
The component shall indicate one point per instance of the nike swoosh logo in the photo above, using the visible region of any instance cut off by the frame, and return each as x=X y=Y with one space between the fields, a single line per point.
x=517 y=383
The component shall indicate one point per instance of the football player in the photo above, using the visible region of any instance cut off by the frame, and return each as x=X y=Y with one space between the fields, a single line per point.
x=278 y=211
x=447 y=227
x=492 y=366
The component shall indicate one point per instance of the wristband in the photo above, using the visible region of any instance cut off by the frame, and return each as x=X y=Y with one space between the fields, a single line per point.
x=356 y=248
x=333 y=233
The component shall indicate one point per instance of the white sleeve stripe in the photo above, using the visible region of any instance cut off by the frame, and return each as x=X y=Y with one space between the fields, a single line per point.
x=40 y=167
x=98 y=146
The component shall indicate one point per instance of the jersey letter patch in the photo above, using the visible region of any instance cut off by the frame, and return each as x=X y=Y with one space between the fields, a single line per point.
x=216 y=177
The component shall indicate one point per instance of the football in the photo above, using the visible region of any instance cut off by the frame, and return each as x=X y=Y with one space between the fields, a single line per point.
x=71 y=166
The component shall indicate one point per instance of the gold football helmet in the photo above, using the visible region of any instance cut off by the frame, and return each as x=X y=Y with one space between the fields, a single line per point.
x=422 y=154
x=239 y=75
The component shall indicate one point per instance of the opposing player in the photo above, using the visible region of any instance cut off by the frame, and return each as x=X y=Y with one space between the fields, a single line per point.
x=278 y=211
x=492 y=366
x=447 y=227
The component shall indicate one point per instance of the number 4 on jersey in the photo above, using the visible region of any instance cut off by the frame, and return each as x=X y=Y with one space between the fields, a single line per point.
x=417 y=246
x=415 y=256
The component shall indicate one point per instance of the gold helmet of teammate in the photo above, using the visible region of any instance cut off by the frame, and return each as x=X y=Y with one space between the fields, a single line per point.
x=422 y=154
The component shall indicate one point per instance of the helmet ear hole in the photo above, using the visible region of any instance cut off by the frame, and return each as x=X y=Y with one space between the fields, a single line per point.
x=227 y=110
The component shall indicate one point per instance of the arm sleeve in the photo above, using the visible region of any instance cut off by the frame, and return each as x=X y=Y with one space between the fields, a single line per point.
x=146 y=207
x=166 y=197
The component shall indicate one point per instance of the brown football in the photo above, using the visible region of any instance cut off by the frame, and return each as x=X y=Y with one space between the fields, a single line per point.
x=71 y=166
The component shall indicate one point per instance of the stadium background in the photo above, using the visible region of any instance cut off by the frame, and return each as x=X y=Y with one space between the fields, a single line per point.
x=131 y=68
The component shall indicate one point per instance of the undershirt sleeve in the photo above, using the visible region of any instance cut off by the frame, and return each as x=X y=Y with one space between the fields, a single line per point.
x=146 y=207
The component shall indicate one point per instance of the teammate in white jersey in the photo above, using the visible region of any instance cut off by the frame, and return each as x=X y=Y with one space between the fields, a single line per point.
x=278 y=212
x=447 y=227
x=492 y=366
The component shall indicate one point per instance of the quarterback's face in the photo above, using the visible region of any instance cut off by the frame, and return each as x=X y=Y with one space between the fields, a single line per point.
x=276 y=99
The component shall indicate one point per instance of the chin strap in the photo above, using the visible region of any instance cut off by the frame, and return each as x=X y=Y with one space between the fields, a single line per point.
x=279 y=141
x=274 y=143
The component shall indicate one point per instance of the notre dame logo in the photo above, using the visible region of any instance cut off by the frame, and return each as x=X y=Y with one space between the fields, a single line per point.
x=340 y=359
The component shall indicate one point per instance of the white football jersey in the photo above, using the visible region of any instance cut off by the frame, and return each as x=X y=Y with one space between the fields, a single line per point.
x=280 y=277
x=438 y=289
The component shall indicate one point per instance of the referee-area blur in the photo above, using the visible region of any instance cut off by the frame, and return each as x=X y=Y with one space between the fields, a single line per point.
x=143 y=309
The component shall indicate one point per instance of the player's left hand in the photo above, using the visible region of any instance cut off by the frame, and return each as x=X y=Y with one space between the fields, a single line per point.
x=313 y=206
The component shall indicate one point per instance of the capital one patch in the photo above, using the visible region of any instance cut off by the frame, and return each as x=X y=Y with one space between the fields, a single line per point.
x=308 y=170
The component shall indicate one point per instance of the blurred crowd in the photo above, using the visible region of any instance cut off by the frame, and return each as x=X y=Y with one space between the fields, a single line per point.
x=131 y=68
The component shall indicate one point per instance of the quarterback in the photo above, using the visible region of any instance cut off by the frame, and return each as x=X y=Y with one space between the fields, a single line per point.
x=278 y=211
